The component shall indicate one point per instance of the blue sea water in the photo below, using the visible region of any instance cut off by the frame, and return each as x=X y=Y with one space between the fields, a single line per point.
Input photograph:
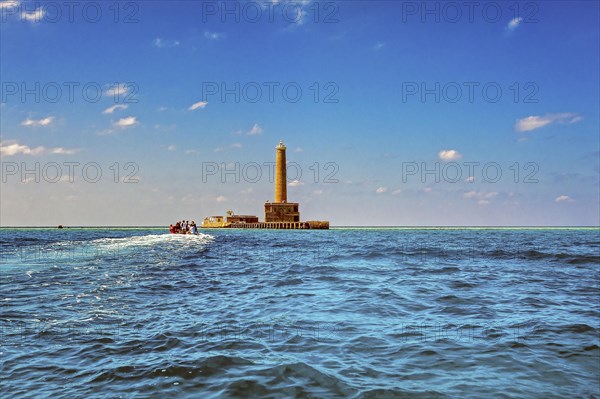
x=344 y=313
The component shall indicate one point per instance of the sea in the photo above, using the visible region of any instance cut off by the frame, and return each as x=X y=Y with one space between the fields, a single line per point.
x=340 y=313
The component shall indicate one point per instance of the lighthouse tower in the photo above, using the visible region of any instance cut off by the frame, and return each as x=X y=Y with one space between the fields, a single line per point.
x=280 y=174
x=280 y=210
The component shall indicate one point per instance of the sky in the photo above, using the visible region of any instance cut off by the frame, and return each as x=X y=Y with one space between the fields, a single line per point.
x=393 y=112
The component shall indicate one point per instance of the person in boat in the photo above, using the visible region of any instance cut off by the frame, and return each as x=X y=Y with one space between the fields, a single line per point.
x=172 y=229
x=177 y=228
x=193 y=228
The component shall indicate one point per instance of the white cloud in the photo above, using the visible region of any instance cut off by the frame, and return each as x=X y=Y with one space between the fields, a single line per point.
x=33 y=16
x=234 y=145
x=106 y=132
x=299 y=6
x=428 y=189
x=396 y=192
x=378 y=46
x=126 y=122
x=470 y=179
x=298 y=149
x=221 y=198
x=162 y=43
x=535 y=122
x=39 y=122
x=482 y=197
x=295 y=183
x=300 y=16
x=532 y=123
x=381 y=190
x=165 y=128
x=8 y=4
x=63 y=151
x=249 y=190
x=198 y=105
x=8 y=150
x=449 y=155
x=514 y=23
x=256 y=130
x=297 y=19
x=112 y=109
x=480 y=194
x=317 y=192
x=13 y=148
x=564 y=198
x=213 y=35
x=172 y=147
x=117 y=90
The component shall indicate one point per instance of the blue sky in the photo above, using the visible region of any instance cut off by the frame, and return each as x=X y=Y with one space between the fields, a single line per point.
x=388 y=89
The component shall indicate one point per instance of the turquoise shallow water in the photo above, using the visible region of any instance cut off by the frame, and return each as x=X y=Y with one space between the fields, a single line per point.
x=359 y=313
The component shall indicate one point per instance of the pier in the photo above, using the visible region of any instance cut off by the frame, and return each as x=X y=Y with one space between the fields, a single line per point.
x=310 y=225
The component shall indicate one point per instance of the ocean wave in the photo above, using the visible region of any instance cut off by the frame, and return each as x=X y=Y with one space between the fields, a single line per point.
x=288 y=314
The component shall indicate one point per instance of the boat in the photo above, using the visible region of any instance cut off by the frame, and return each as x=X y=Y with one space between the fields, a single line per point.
x=191 y=229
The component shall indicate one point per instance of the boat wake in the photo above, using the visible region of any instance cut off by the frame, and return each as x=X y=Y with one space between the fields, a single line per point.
x=67 y=252
x=152 y=240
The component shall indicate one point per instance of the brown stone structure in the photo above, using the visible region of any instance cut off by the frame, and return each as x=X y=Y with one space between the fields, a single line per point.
x=242 y=219
x=287 y=212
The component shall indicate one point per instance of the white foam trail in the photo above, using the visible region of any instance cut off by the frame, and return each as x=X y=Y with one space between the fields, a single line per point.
x=71 y=251
x=153 y=239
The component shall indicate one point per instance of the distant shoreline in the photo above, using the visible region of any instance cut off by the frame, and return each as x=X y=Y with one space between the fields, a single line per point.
x=332 y=227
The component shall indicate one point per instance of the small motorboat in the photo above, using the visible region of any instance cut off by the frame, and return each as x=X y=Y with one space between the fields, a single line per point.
x=184 y=228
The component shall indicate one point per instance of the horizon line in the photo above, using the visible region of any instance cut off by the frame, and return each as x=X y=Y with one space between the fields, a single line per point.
x=333 y=226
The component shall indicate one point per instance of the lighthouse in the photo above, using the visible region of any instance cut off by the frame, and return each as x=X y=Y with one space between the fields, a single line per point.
x=280 y=210
x=279 y=214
